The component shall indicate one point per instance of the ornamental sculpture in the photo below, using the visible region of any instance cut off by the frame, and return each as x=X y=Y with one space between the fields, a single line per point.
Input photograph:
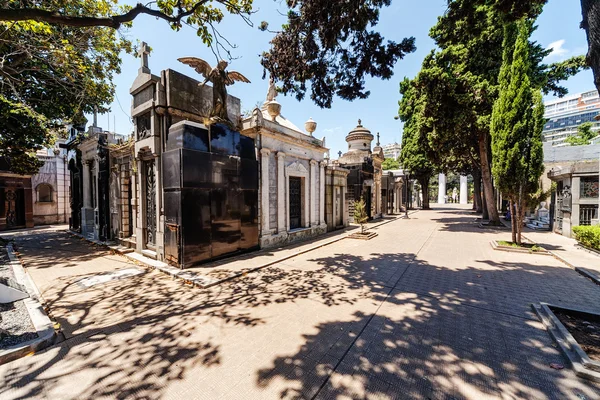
x=220 y=78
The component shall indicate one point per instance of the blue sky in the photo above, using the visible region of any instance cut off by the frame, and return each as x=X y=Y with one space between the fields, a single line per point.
x=558 y=27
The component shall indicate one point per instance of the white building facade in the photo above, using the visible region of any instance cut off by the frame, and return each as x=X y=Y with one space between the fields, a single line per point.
x=565 y=115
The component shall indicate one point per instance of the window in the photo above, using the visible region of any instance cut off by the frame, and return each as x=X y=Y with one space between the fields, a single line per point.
x=589 y=187
x=44 y=193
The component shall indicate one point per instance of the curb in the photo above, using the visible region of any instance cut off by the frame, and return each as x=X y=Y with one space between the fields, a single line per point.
x=579 y=360
x=39 y=319
x=204 y=282
x=498 y=247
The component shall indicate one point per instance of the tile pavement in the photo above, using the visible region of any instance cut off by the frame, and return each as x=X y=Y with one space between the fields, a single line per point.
x=425 y=310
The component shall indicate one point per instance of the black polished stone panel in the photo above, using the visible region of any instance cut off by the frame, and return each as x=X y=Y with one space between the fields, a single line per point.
x=211 y=198
x=247 y=149
x=196 y=169
x=188 y=135
x=196 y=232
x=224 y=140
x=171 y=168
x=248 y=174
x=173 y=219
x=249 y=219
x=226 y=223
x=225 y=171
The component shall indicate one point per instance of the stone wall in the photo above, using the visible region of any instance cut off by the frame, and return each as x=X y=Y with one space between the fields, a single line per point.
x=54 y=173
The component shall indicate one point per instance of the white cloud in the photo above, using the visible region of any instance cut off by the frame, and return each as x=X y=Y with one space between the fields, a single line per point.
x=558 y=51
x=332 y=130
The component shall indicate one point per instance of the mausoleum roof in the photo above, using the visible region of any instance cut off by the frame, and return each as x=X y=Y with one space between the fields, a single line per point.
x=359 y=133
x=280 y=119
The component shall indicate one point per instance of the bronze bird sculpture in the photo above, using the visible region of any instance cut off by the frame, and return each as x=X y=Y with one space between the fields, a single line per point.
x=220 y=78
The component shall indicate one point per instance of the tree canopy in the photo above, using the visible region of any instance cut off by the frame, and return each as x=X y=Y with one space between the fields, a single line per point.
x=516 y=126
x=390 y=163
x=60 y=56
x=584 y=135
x=331 y=46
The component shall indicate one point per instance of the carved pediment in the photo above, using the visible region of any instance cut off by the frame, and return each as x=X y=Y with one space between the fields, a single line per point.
x=297 y=166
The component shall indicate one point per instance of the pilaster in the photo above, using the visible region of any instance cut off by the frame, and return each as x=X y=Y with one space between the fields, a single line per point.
x=442 y=189
x=281 y=189
x=464 y=191
x=313 y=192
x=322 y=164
x=264 y=190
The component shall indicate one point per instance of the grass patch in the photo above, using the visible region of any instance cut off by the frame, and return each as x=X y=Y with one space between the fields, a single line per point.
x=528 y=246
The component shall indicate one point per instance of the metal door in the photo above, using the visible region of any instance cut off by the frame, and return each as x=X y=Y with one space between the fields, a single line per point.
x=150 y=196
x=338 y=207
x=295 y=202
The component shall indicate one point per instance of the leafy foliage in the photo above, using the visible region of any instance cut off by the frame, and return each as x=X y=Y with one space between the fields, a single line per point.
x=21 y=132
x=331 y=47
x=584 y=135
x=360 y=214
x=588 y=236
x=390 y=163
x=414 y=155
x=517 y=122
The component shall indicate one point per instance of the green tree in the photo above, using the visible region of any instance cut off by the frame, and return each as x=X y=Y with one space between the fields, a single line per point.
x=414 y=155
x=59 y=56
x=390 y=163
x=461 y=83
x=360 y=214
x=516 y=127
x=584 y=135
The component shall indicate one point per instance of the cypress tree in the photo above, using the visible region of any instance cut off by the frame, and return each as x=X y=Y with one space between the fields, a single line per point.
x=517 y=119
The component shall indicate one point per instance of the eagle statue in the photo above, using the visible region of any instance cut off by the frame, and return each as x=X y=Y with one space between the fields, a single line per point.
x=220 y=79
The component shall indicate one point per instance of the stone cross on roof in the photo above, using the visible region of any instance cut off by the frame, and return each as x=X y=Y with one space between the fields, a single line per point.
x=143 y=52
x=339 y=153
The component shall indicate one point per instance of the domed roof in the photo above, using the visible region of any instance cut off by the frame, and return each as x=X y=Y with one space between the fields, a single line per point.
x=359 y=133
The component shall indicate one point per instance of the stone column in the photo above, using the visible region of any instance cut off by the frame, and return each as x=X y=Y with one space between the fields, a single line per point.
x=322 y=193
x=281 y=188
x=442 y=189
x=86 y=184
x=464 y=191
x=313 y=193
x=264 y=190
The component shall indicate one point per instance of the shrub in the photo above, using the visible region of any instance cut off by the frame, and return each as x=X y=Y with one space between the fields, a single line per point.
x=588 y=236
x=360 y=214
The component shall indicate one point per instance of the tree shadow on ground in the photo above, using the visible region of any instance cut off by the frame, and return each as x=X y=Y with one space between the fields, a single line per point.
x=440 y=333
x=133 y=337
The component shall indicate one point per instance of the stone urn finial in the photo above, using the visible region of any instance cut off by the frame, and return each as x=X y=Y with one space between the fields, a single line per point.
x=359 y=122
x=310 y=126
x=274 y=109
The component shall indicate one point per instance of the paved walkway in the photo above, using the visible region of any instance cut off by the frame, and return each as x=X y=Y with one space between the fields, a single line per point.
x=566 y=249
x=425 y=310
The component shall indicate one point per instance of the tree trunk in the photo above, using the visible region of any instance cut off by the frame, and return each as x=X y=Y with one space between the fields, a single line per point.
x=521 y=217
x=590 y=10
x=488 y=188
x=513 y=224
x=425 y=192
x=484 y=209
x=477 y=191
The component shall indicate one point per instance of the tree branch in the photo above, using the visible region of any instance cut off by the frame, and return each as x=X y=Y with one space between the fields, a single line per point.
x=53 y=17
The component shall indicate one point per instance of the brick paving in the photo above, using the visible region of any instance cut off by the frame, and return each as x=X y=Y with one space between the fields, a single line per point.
x=425 y=310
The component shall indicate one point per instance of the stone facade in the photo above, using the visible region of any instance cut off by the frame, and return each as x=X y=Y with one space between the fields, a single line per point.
x=90 y=161
x=193 y=182
x=51 y=188
x=292 y=176
x=336 y=208
x=364 y=164
x=575 y=171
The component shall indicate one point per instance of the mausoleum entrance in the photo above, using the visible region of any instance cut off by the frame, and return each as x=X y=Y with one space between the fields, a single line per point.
x=295 y=202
